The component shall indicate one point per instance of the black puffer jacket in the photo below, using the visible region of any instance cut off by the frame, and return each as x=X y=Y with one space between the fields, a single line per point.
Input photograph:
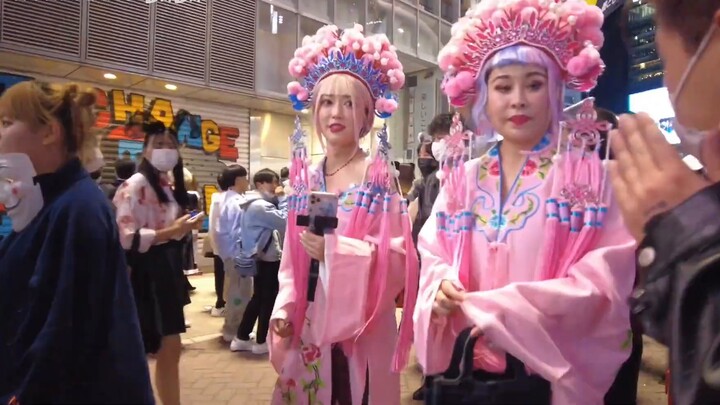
x=679 y=295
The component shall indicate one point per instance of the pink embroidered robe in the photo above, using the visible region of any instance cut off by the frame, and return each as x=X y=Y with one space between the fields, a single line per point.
x=342 y=307
x=573 y=331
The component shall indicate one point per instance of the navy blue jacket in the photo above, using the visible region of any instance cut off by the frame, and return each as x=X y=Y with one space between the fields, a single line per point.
x=68 y=322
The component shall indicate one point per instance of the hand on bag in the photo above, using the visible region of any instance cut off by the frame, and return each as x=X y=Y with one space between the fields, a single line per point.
x=447 y=299
x=648 y=175
x=314 y=245
x=283 y=328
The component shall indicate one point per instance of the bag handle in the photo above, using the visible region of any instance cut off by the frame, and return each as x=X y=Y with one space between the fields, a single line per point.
x=461 y=362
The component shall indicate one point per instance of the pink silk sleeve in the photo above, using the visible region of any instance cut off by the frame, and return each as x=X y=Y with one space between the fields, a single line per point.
x=126 y=208
x=341 y=309
x=571 y=330
x=433 y=339
x=284 y=308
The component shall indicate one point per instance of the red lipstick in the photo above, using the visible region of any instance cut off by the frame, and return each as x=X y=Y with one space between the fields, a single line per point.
x=519 y=119
x=335 y=128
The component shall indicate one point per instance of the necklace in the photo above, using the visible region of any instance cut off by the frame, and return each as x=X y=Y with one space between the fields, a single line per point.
x=343 y=166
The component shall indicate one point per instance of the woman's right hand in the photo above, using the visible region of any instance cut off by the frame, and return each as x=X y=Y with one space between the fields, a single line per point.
x=282 y=328
x=447 y=299
x=185 y=224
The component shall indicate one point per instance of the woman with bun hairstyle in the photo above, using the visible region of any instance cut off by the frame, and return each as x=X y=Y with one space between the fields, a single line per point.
x=68 y=329
x=341 y=344
x=525 y=244
x=152 y=221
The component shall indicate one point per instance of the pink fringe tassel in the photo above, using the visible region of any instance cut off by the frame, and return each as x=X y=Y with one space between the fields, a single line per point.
x=401 y=357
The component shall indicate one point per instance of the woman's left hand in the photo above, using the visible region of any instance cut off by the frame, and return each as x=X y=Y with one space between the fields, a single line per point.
x=648 y=175
x=314 y=245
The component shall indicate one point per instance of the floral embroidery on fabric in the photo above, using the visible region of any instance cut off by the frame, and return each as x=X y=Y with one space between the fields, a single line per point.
x=311 y=358
x=346 y=200
x=287 y=390
x=521 y=204
x=310 y=381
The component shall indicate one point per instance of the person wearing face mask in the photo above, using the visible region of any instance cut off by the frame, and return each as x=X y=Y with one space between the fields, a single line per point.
x=524 y=242
x=263 y=228
x=68 y=328
x=152 y=226
x=426 y=189
x=671 y=210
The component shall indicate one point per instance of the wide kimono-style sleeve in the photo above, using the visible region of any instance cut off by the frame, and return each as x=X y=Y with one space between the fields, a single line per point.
x=572 y=331
x=128 y=212
x=344 y=297
x=86 y=345
x=433 y=341
x=284 y=307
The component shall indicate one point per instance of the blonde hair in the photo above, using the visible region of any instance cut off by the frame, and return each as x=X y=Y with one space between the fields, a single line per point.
x=38 y=104
x=346 y=84
x=189 y=179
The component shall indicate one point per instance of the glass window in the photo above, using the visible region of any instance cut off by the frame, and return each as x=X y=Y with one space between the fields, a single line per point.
x=428 y=37
x=379 y=17
x=431 y=6
x=285 y=3
x=465 y=5
x=450 y=10
x=349 y=13
x=308 y=26
x=444 y=32
x=405 y=28
x=276 y=43
x=317 y=8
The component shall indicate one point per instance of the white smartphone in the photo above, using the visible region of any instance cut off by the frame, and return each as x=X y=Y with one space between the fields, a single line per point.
x=323 y=205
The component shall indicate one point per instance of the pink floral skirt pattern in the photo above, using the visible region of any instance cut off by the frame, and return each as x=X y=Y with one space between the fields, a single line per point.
x=305 y=377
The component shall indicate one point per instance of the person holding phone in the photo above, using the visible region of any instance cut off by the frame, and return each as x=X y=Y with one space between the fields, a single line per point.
x=152 y=226
x=342 y=340
x=525 y=244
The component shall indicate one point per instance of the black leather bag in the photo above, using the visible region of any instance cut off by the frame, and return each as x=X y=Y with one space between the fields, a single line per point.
x=459 y=385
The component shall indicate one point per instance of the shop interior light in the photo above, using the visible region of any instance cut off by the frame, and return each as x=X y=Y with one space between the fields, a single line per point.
x=171 y=87
x=110 y=76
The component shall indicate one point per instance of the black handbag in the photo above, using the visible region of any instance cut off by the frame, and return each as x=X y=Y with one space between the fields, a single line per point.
x=460 y=385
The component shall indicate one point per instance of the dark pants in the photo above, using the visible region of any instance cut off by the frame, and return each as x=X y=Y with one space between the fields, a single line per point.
x=624 y=388
x=219 y=281
x=265 y=290
x=341 y=391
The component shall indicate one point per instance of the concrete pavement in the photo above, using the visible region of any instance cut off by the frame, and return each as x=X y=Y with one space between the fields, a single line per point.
x=212 y=375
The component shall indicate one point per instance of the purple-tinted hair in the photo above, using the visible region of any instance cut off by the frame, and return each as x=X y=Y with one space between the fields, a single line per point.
x=519 y=55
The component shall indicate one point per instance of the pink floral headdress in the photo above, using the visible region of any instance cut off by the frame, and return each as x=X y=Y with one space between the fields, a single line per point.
x=568 y=30
x=372 y=60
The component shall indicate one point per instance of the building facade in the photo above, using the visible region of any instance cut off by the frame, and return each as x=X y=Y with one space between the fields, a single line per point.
x=225 y=58
x=646 y=71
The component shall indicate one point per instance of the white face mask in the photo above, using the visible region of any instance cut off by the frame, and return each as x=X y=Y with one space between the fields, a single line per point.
x=690 y=139
x=438 y=150
x=19 y=194
x=164 y=159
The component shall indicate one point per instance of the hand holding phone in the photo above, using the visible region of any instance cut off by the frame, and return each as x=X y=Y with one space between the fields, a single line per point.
x=196 y=216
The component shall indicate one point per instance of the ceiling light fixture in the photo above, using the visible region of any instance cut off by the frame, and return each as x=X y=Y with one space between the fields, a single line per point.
x=110 y=76
x=171 y=87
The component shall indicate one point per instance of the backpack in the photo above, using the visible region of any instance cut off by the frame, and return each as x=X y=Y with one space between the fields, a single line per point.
x=247 y=265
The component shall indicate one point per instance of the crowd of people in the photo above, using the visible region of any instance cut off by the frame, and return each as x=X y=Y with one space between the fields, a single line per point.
x=536 y=248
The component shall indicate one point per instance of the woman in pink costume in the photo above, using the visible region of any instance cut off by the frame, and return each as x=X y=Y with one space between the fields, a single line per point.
x=343 y=347
x=526 y=244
